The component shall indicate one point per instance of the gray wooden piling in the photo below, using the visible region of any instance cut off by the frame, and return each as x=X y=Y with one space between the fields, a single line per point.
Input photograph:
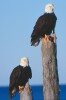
x=50 y=71
x=26 y=94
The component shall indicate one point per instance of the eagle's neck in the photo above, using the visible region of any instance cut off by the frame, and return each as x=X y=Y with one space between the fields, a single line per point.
x=49 y=11
x=24 y=64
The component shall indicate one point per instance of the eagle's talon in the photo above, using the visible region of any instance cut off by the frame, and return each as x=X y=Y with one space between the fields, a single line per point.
x=47 y=38
x=21 y=88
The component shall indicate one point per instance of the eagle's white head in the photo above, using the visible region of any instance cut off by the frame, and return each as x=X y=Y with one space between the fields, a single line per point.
x=49 y=8
x=24 y=62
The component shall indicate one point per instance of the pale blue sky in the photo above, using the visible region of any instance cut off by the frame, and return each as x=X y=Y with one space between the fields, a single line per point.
x=17 y=19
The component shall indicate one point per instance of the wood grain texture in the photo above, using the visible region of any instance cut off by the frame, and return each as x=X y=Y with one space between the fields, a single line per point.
x=26 y=94
x=50 y=71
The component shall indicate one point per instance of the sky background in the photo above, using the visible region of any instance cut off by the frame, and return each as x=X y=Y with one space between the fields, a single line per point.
x=17 y=19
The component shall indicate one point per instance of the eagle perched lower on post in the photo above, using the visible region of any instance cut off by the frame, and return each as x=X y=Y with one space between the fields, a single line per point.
x=45 y=25
x=19 y=76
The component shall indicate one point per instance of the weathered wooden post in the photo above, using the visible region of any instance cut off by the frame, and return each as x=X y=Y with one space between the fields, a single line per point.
x=50 y=70
x=26 y=94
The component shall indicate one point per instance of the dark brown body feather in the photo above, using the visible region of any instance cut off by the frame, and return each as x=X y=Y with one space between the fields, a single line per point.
x=44 y=25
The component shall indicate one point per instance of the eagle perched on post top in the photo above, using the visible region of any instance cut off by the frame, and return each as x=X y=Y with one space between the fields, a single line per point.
x=45 y=25
x=19 y=76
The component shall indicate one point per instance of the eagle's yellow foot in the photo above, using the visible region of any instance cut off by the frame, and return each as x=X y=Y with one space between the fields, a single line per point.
x=21 y=88
x=47 y=39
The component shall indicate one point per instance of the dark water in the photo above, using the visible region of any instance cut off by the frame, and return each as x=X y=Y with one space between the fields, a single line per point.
x=36 y=90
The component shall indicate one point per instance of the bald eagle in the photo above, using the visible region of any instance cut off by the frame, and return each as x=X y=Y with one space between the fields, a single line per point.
x=45 y=25
x=19 y=76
